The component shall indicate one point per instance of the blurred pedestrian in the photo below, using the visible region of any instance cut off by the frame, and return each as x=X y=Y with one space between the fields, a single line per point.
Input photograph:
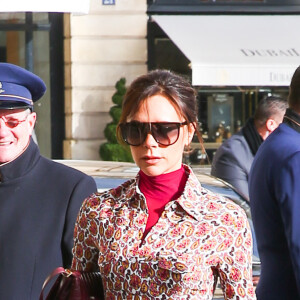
x=274 y=189
x=162 y=235
x=233 y=159
x=39 y=198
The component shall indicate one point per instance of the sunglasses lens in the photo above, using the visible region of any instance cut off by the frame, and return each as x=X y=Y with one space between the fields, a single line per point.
x=133 y=133
x=165 y=133
x=12 y=123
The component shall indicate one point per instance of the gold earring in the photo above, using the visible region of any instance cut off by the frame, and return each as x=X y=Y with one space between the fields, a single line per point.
x=187 y=148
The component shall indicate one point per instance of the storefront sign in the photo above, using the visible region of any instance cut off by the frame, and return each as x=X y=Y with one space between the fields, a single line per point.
x=270 y=52
x=237 y=50
x=242 y=75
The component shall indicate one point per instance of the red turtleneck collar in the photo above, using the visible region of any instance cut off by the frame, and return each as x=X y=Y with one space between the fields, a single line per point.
x=159 y=190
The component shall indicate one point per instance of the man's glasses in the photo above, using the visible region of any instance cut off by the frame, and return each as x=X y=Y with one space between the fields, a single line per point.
x=11 y=122
x=165 y=133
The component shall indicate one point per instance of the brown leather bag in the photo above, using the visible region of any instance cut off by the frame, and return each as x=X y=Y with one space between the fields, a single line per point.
x=74 y=285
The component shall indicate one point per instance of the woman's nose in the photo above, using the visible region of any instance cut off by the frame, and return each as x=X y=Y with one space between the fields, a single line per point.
x=150 y=141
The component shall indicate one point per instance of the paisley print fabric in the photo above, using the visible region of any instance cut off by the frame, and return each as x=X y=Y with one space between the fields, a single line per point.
x=200 y=236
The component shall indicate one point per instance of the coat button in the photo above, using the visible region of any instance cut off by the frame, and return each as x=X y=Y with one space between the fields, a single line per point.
x=174 y=205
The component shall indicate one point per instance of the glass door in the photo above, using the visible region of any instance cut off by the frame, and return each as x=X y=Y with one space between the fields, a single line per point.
x=25 y=41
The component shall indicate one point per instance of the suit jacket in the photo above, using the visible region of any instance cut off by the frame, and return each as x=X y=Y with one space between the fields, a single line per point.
x=39 y=203
x=274 y=187
x=232 y=162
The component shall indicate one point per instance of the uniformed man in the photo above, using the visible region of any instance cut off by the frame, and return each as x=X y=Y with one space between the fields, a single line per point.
x=39 y=198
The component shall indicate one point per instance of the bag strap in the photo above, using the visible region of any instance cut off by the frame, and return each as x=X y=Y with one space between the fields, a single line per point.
x=59 y=270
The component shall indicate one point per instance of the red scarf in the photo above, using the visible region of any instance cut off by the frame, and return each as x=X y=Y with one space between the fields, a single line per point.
x=159 y=190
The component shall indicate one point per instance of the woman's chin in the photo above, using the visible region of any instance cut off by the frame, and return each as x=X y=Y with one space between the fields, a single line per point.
x=152 y=170
x=155 y=170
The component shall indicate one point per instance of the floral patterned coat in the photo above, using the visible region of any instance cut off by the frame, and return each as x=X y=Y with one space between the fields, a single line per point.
x=198 y=237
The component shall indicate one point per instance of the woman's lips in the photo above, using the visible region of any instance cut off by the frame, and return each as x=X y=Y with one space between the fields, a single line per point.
x=151 y=159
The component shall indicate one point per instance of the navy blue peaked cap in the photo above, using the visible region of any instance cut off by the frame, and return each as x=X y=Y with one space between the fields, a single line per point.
x=18 y=87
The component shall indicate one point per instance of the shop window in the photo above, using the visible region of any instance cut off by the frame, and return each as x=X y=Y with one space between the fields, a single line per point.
x=222 y=111
x=25 y=40
x=166 y=53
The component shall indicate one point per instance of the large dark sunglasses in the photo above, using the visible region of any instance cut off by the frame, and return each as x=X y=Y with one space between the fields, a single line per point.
x=165 y=133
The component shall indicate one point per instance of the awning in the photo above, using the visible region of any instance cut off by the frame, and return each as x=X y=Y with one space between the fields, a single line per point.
x=237 y=50
x=71 y=6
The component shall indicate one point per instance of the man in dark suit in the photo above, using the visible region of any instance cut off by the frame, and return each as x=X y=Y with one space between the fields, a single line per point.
x=274 y=187
x=39 y=199
x=233 y=159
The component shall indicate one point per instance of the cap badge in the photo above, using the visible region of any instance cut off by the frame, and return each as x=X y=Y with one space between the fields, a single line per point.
x=1 y=91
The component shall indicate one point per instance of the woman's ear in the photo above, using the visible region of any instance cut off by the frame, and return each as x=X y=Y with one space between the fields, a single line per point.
x=191 y=131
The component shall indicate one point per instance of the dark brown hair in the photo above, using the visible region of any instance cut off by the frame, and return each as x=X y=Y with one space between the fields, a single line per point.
x=160 y=82
x=294 y=94
x=269 y=107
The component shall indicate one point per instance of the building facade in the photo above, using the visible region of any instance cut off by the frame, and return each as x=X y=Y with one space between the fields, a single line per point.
x=80 y=57
x=100 y=48
x=234 y=52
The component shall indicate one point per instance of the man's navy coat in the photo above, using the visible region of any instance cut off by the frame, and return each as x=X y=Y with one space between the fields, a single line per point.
x=39 y=203
x=274 y=187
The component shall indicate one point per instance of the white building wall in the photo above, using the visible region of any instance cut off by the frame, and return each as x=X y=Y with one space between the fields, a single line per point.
x=100 y=48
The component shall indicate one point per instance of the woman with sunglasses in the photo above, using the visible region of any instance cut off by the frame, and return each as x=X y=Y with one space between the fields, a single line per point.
x=162 y=235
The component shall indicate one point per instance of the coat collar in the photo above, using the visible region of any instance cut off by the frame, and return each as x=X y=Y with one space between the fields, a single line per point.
x=193 y=197
x=21 y=165
x=191 y=200
x=292 y=119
